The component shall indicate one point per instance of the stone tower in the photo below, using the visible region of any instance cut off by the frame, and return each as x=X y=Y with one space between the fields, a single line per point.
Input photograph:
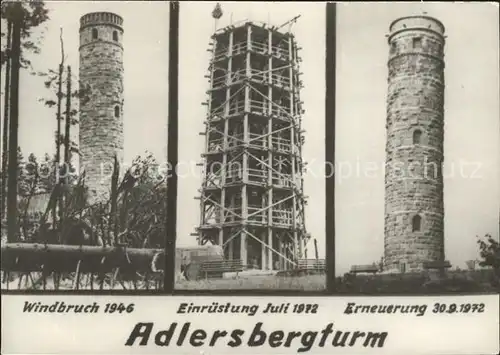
x=101 y=111
x=414 y=210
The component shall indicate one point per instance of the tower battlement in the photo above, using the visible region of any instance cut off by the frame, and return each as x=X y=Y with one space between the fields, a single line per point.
x=416 y=35
x=101 y=18
x=416 y=23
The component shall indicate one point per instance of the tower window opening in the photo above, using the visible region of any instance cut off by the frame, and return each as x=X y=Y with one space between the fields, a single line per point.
x=417 y=42
x=416 y=223
x=115 y=36
x=402 y=267
x=117 y=111
x=94 y=33
x=417 y=136
x=393 y=47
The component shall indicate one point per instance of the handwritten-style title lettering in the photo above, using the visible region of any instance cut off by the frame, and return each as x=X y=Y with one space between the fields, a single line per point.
x=144 y=333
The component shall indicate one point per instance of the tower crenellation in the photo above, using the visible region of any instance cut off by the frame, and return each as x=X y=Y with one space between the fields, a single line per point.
x=414 y=207
x=101 y=112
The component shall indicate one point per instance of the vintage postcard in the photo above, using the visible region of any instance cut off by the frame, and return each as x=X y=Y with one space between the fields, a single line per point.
x=250 y=178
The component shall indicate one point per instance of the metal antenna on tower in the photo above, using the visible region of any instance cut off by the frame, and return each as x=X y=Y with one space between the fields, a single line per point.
x=217 y=14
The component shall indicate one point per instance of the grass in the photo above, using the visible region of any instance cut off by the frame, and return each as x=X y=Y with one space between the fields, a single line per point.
x=302 y=283
x=471 y=281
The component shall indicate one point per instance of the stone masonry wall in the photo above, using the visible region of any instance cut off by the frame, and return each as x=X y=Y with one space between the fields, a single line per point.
x=101 y=116
x=414 y=148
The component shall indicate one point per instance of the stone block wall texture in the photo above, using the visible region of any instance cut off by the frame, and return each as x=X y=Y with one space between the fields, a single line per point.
x=101 y=112
x=414 y=147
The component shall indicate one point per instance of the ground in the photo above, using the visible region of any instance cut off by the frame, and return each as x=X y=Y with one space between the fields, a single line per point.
x=270 y=282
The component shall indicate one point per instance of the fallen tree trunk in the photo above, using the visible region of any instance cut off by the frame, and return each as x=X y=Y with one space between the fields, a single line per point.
x=24 y=257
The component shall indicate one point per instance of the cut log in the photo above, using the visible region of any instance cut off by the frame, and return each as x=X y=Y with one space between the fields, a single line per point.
x=24 y=257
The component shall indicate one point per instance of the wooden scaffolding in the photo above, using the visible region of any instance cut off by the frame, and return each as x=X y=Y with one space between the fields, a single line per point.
x=251 y=198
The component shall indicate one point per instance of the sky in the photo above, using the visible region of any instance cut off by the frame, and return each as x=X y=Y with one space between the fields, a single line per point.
x=196 y=27
x=472 y=126
x=146 y=26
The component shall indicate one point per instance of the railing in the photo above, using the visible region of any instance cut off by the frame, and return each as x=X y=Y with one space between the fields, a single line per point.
x=312 y=264
x=218 y=267
x=258 y=107
x=279 y=52
x=215 y=145
x=254 y=175
x=234 y=175
x=280 y=112
x=220 y=54
x=257 y=175
x=256 y=216
x=282 y=217
x=219 y=81
x=255 y=46
x=239 y=48
x=282 y=180
x=257 y=140
x=237 y=107
x=281 y=144
x=260 y=47
x=280 y=80
x=255 y=75
x=358 y=269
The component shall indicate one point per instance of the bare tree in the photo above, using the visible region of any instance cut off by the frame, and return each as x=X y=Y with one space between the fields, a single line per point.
x=6 y=112
x=15 y=57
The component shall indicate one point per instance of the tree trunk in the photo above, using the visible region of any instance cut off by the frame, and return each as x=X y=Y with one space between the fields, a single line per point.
x=64 y=258
x=12 y=228
x=67 y=129
x=5 y=136
x=58 y=136
x=114 y=203
x=67 y=157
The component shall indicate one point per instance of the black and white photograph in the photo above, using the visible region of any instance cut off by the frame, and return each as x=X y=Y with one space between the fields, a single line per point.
x=251 y=146
x=203 y=177
x=417 y=194
x=84 y=134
